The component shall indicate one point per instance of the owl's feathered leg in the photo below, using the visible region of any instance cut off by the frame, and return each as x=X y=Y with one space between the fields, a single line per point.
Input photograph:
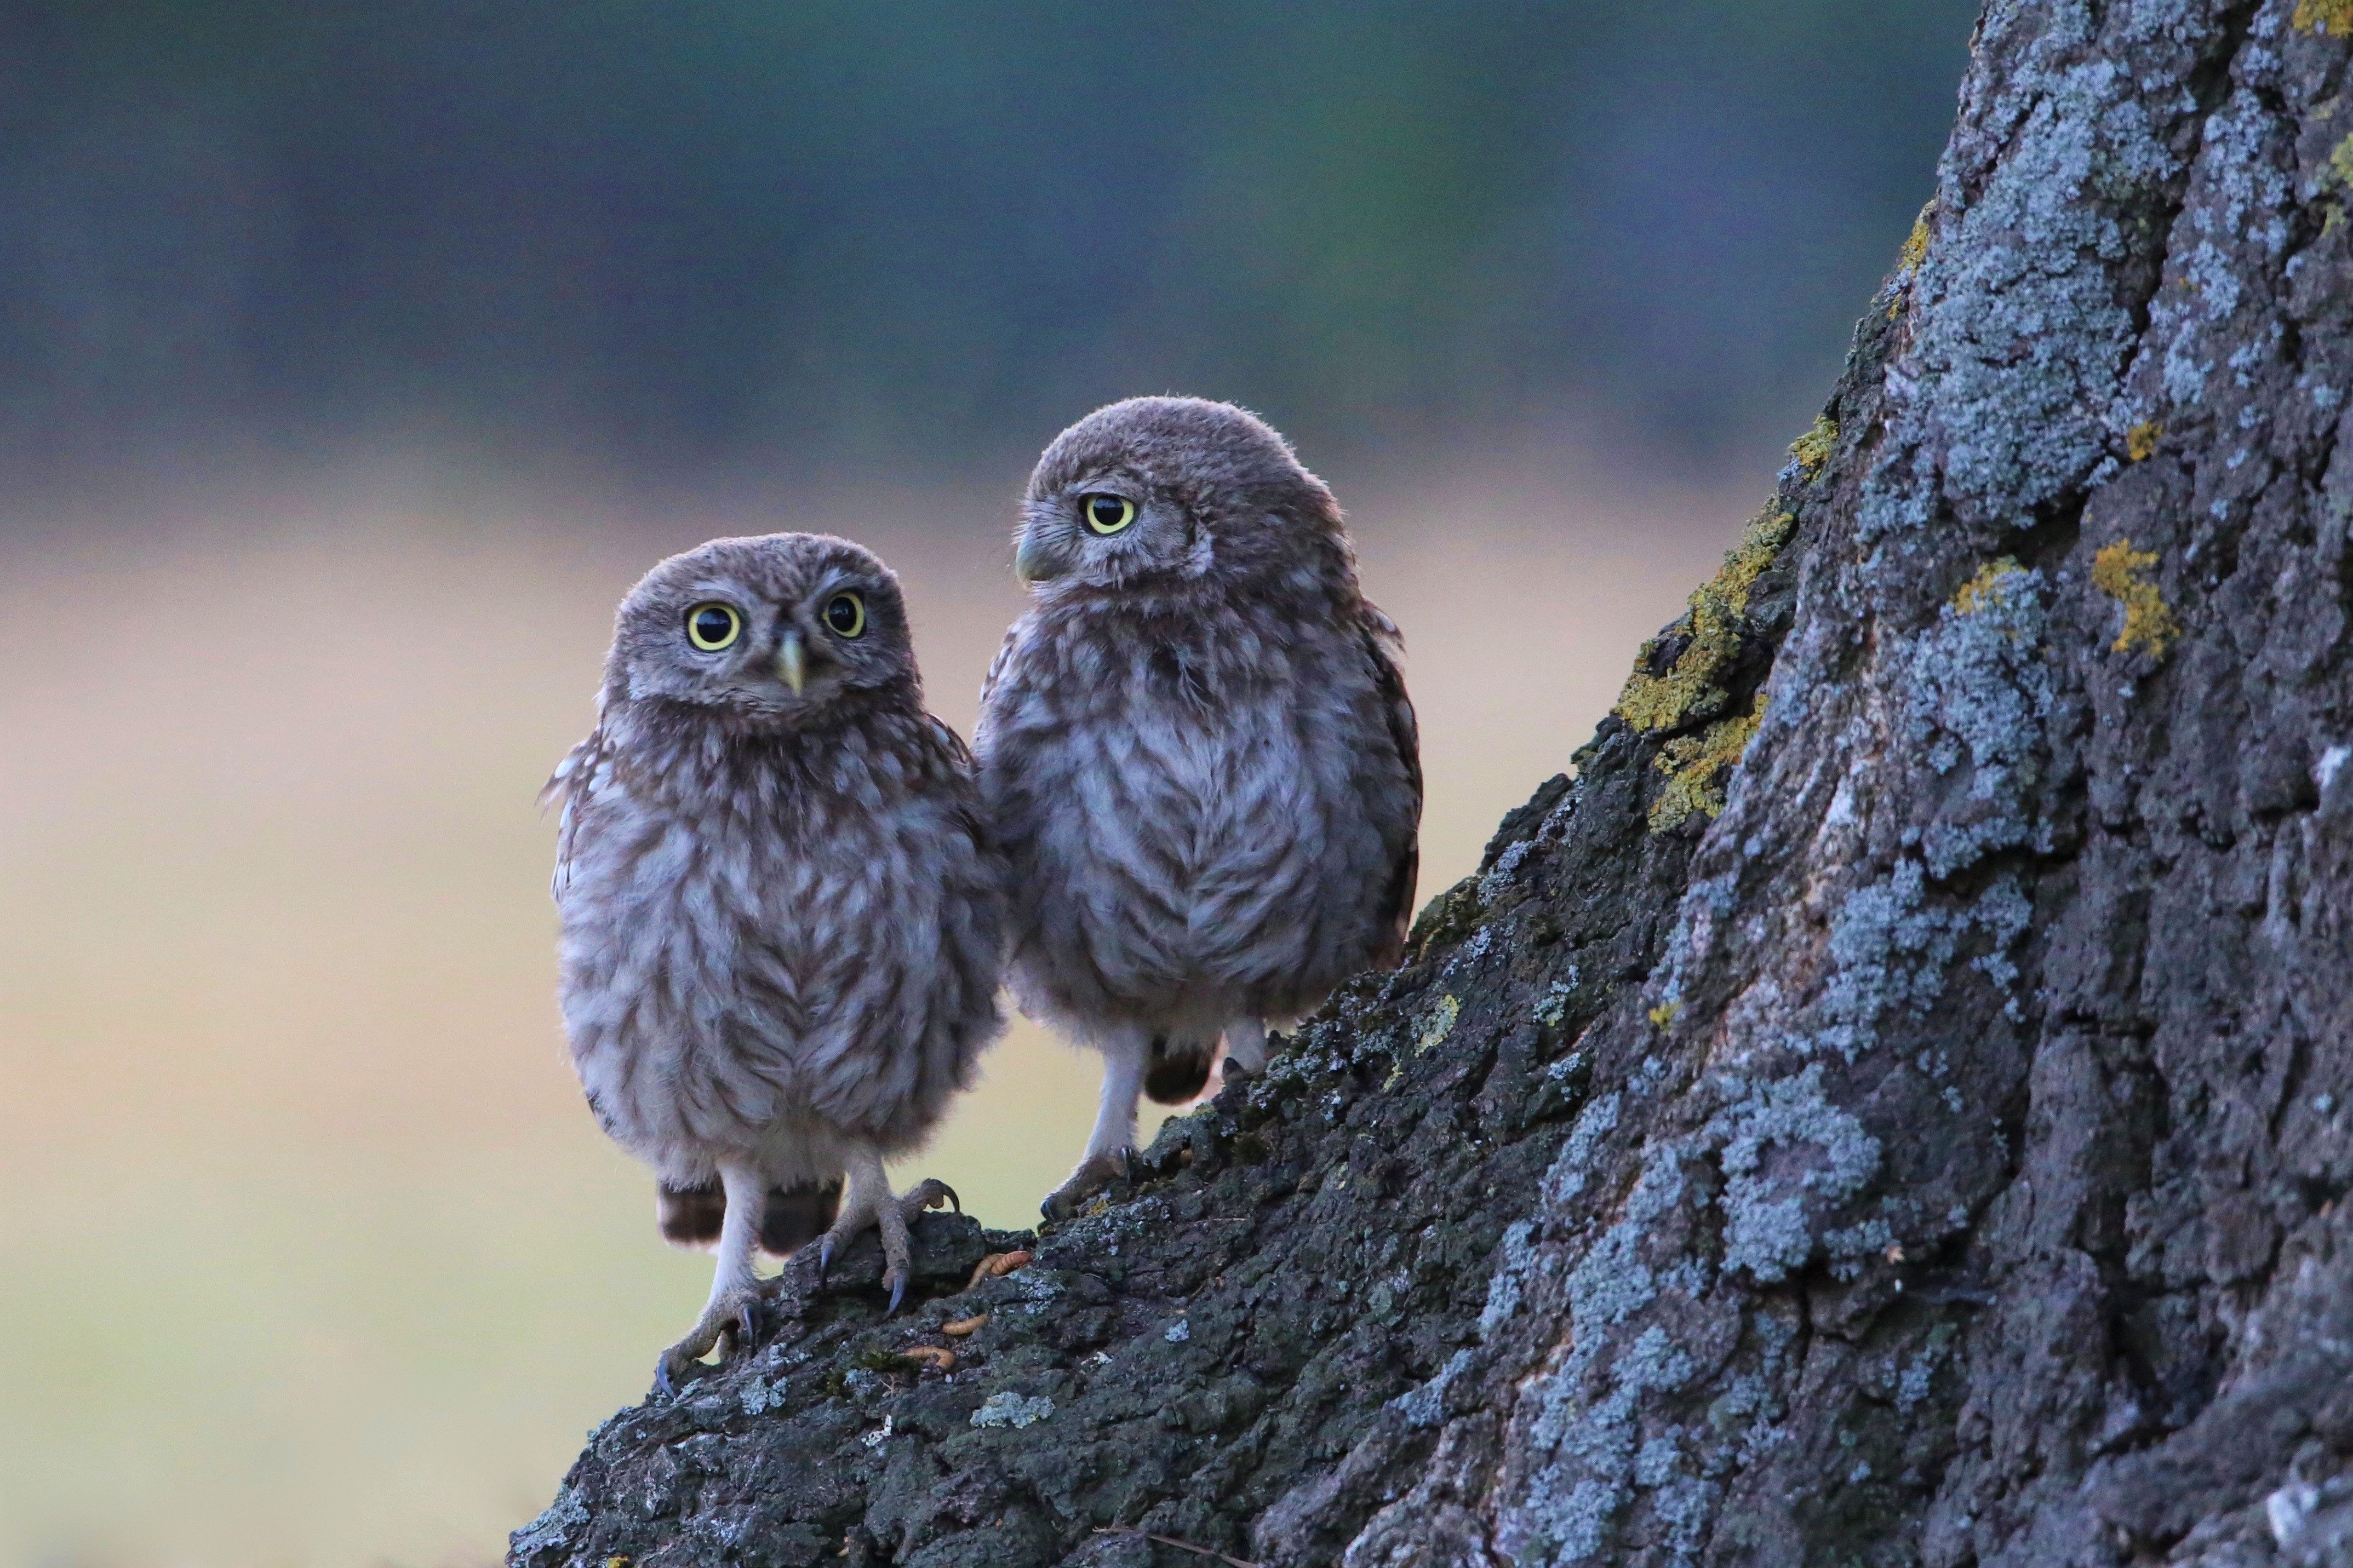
x=1127 y=1052
x=1245 y=1048
x=729 y=1319
x=868 y=1202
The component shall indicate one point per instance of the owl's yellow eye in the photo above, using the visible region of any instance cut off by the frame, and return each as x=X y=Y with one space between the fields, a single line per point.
x=711 y=627
x=845 y=615
x=1107 y=513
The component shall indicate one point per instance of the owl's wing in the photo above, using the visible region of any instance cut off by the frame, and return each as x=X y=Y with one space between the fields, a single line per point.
x=997 y=668
x=958 y=757
x=1385 y=653
x=585 y=769
x=951 y=742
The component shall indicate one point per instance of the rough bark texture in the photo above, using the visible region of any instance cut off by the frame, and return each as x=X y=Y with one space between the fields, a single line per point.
x=1921 y=1141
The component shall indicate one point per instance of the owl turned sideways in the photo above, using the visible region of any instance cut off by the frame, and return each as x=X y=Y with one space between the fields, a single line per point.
x=1196 y=753
x=782 y=922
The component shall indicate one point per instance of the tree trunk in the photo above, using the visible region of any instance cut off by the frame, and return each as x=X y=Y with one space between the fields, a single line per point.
x=1891 y=1108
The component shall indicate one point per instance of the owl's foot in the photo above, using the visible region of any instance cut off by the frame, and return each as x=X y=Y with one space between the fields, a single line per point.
x=891 y=1216
x=931 y=1193
x=730 y=1325
x=1096 y=1172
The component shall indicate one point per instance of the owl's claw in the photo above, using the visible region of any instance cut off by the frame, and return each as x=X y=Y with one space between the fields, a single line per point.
x=929 y=1193
x=891 y=1216
x=730 y=1325
x=1096 y=1172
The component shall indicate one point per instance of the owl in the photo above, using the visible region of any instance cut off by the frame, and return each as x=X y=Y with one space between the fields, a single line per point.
x=782 y=916
x=1196 y=753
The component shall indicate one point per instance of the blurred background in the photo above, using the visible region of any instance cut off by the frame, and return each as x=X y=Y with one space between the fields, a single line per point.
x=356 y=358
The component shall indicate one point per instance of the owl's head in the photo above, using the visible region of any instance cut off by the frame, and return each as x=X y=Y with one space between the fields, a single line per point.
x=1156 y=490
x=770 y=631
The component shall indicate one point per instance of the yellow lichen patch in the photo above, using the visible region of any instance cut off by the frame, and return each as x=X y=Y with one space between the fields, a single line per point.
x=1985 y=589
x=1908 y=259
x=2334 y=18
x=1689 y=691
x=1439 y=1025
x=2120 y=572
x=1695 y=766
x=1812 y=449
x=2339 y=174
x=2140 y=441
x=1915 y=244
x=1664 y=1014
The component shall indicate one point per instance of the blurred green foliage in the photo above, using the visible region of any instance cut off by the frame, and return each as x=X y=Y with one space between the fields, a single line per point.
x=795 y=236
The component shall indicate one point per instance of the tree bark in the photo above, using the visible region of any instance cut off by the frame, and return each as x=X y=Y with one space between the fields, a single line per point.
x=1891 y=1108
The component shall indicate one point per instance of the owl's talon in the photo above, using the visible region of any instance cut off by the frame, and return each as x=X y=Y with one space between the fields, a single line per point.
x=869 y=1204
x=931 y=1193
x=898 y=1260
x=1096 y=1172
x=730 y=1325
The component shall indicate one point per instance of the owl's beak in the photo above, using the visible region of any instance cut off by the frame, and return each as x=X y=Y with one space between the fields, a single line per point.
x=1036 y=560
x=792 y=662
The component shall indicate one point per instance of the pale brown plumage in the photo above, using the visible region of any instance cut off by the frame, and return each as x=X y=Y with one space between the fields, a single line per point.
x=781 y=915
x=1197 y=752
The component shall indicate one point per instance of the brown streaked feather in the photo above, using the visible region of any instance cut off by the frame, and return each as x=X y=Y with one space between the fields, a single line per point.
x=1384 y=648
x=959 y=755
x=569 y=786
x=997 y=665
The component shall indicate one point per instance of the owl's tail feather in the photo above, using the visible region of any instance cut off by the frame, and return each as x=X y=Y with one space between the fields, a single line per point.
x=792 y=1219
x=1177 y=1071
x=690 y=1215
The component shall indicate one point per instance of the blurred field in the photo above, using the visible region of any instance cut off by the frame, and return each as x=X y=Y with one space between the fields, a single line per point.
x=312 y=1255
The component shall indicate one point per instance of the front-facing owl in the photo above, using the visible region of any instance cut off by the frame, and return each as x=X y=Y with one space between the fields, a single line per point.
x=782 y=919
x=1197 y=752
